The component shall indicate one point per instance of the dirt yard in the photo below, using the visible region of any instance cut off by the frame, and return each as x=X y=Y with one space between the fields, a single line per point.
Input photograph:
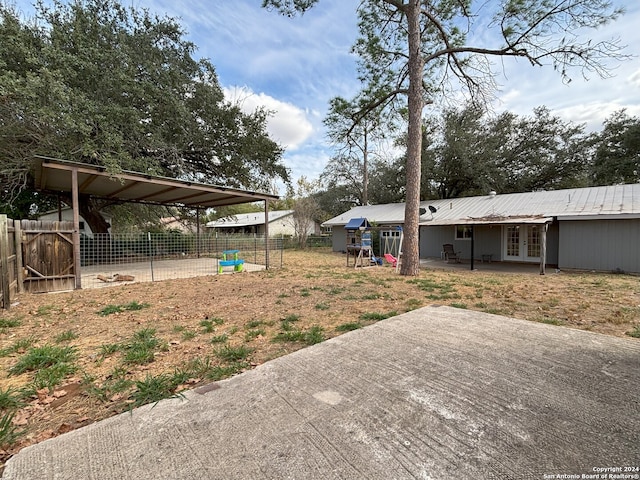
x=70 y=359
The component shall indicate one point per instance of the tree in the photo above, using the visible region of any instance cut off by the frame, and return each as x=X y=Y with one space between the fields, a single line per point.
x=461 y=167
x=20 y=127
x=418 y=49
x=306 y=209
x=617 y=156
x=388 y=181
x=342 y=188
x=356 y=142
x=346 y=174
x=538 y=152
x=96 y=82
x=334 y=200
x=471 y=153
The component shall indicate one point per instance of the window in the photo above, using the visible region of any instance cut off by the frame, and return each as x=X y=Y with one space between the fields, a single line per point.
x=463 y=232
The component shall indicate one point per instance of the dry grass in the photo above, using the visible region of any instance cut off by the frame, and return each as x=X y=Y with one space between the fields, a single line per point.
x=136 y=341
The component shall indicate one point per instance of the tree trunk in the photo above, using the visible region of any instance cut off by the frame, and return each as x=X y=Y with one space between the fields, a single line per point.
x=92 y=215
x=411 y=249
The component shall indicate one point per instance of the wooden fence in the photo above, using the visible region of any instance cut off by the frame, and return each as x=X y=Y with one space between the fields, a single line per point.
x=47 y=256
x=9 y=262
x=35 y=257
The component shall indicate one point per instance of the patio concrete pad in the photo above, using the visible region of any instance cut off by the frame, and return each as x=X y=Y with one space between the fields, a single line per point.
x=437 y=393
x=159 y=270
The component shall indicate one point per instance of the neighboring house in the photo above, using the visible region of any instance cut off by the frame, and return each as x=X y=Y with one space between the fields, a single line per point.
x=595 y=228
x=66 y=215
x=280 y=223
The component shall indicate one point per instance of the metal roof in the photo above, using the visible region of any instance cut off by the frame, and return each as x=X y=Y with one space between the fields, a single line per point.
x=54 y=175
x=390 y=213
x=247 y=219
x=609 y=202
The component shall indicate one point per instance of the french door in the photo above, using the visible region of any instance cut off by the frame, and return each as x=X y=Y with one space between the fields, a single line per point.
x=522 y=243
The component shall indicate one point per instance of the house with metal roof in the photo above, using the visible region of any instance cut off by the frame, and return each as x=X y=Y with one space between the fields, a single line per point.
x=281 y=222
x=594 y=228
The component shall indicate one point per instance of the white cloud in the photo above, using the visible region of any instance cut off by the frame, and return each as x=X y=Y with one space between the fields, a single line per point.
x=511 y=96
x=634 y=79
x=309 y=164
x=303 y=60
x=288 y=125
x=593 y=114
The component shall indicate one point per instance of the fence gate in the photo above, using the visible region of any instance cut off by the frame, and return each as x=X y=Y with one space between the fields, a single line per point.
x=8 y=262
x=47 y=256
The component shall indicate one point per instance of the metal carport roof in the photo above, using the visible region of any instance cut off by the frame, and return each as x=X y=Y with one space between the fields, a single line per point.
x=54 y=175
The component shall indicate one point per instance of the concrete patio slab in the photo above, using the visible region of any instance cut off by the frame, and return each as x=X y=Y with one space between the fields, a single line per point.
x=437 y=393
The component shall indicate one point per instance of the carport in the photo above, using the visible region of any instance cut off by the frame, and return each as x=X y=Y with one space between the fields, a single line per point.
x=56 y=176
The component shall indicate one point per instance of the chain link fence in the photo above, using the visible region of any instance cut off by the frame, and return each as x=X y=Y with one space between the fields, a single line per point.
x=143 y=257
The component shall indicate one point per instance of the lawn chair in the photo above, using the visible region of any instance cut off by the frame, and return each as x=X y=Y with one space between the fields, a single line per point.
x=450 y=254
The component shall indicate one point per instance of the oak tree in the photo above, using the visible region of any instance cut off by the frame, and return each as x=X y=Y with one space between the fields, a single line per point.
x=617 y=155
x=96 y=82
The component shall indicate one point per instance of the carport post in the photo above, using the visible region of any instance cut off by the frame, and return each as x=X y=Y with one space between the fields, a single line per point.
x=472 y=247
x=76 y=227
x=543 y=248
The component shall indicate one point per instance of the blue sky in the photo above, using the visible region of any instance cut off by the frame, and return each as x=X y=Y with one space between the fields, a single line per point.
x=294 y=66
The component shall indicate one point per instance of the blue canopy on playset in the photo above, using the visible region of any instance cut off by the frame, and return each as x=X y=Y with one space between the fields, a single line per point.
x=357 y=223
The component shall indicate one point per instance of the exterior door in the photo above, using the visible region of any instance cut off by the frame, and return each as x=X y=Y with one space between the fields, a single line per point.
x=522 y=243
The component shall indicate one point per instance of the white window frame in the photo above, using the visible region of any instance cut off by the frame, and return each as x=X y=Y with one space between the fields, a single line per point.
x=462 y=232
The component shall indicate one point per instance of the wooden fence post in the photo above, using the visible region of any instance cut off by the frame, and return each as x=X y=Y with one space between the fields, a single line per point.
x=4 y=263
x=17 y=232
